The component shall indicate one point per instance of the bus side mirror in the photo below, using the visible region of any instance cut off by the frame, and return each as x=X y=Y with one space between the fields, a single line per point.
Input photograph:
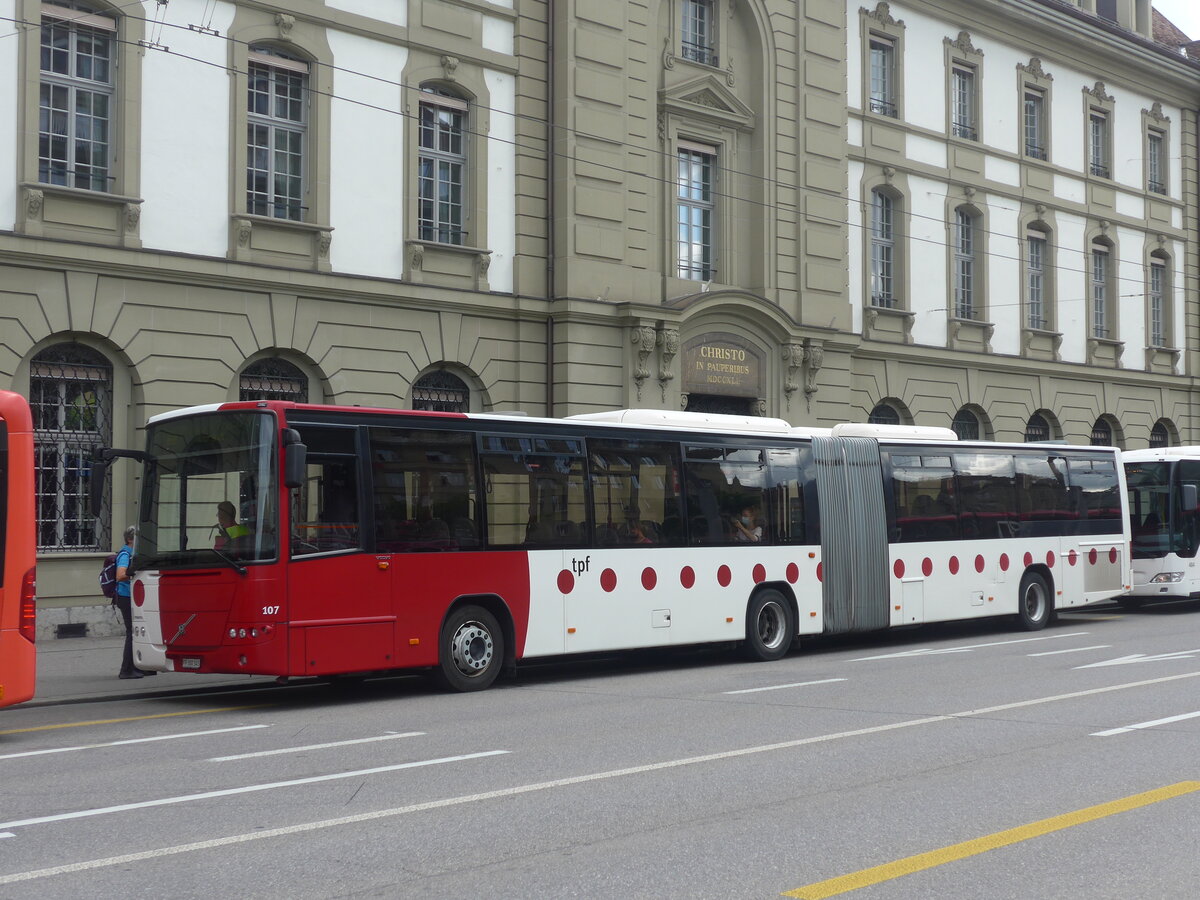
x=1189 y=497
x=295 y=460
x=96 y=486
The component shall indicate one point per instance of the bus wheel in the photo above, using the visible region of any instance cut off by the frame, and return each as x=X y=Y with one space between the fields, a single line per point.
x=769 y=626
x=1033 y=602
x=470 y=650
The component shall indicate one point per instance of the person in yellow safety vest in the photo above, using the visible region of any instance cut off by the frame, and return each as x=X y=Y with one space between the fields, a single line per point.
x=227 y=527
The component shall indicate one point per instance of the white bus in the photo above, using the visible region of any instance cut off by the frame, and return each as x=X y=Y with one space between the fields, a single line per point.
x=1163 y=487
x=376 y=540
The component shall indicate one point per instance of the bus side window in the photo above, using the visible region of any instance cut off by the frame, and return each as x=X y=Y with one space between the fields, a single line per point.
x=324 y=510
x=635 y=494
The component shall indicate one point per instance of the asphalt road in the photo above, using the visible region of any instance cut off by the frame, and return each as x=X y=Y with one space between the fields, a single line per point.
x=963 y=761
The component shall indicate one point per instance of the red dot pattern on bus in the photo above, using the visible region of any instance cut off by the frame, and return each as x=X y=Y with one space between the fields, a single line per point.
x=759 y=573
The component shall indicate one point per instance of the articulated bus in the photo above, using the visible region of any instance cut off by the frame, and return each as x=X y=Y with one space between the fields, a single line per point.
x=1163 y=485
x=17 y=551
x=360 y=540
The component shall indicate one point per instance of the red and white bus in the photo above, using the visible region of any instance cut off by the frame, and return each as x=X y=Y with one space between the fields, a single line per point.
x=18 y=551
x=371 y=540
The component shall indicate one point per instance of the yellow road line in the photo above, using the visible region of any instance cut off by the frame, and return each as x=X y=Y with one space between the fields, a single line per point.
x=911 y=864
x=193 y=712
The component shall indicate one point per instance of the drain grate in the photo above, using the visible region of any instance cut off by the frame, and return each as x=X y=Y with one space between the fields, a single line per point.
x=71 y=630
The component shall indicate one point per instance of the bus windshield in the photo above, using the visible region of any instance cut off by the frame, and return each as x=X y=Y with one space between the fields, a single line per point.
x=210 y=491
x=1155 y=516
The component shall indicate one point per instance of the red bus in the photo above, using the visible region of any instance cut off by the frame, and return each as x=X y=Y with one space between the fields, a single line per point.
x=18 y=551
x=301 y=540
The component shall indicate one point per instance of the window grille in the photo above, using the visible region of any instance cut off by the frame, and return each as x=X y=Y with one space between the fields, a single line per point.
x=1036 y=429
x=441 y=392
x=1159 y=436
x=883 y=414
x=276 y=125
x=966 y=425
x=442 y=165
x=70 y=392
x=76 y=98
x=273 y=379
x=1101 y=434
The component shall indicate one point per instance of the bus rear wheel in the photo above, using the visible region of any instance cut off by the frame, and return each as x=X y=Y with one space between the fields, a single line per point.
x=770 y=626
x=470 y=650
x=1033 y=602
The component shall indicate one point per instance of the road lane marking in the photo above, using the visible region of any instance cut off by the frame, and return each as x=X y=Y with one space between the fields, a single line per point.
x=921 y=861
x=1165 y=721
x=385 y=737
x=929 y=651
x=779 y=687
x=247 y=789
x=146 y=740
x=191 y=712
x=1141 y=658
x=284 y=831
x=1071 y=650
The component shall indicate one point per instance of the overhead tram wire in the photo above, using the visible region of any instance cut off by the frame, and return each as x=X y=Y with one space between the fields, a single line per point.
x=649 y=152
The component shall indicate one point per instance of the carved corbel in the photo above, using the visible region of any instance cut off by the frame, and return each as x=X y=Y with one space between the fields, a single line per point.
x=667 y=340
x=244 y=229
x=450 y=67
x=793 y=361
x=814 y=359
x=35 y=201
x=285 y=23
x=642 y=337
x=133 y=215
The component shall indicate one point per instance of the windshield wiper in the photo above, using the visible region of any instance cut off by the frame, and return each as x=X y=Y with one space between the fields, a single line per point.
x=229 y=560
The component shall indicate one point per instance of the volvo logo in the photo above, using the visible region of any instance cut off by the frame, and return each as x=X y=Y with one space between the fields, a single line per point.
x=182 y=628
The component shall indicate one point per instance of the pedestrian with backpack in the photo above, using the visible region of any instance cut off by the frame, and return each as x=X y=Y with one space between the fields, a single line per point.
x=124 y=592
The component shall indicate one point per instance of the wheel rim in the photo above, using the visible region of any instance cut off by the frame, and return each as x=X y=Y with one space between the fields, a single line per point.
x=471 y=649
x=1035 y=602
x=771 y=621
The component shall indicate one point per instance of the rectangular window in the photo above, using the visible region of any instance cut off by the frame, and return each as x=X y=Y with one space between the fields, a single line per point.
x=276 y=104
x=635 y=492
x=882 y=98
x=1098 y=143
x=325 y=508
x=1034 y=120
x=1155 y=171
x=698 y=32
x=964 y=266
x=1158 y=274
x=987 y=497
x=1099 y=292
x=883 y=248
x=442 y=169
x=535 y=490
x=924 y=496
x=1035 y=273
x=695 y=208
x=424 y=490
x=962 y=89
x=1044 y=504
x=75 y=103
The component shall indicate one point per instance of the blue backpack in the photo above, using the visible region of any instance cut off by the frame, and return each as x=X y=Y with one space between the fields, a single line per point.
x=108 y=577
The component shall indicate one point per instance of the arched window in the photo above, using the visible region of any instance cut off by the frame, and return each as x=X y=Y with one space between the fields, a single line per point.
x=78 y=96
x=966 y=425
x=1102 y=435
x=277 y=125
x=273 y=379
x=1036 y=429
x=70 y=390
x=1159 y=436
x=441 y=392
x=884 y=414
x=442 y=167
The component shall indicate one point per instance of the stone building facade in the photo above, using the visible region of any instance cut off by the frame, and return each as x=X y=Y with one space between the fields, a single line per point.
x=936 y=211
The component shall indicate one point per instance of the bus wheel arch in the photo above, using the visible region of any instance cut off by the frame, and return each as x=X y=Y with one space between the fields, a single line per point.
x=1035 y=598
x=771 y=623
x=474 y=643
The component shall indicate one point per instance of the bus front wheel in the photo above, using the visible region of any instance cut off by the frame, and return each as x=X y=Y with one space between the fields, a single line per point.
x=769 y=626
x=470 y=650
x=1033 y=602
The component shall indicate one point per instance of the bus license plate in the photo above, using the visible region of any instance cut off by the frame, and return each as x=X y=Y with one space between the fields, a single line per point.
x=191 y=662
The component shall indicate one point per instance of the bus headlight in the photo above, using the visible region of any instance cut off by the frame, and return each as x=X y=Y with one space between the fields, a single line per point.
x=1167 y=578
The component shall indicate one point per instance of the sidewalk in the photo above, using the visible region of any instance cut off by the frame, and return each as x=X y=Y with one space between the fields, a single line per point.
x=85 y=670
